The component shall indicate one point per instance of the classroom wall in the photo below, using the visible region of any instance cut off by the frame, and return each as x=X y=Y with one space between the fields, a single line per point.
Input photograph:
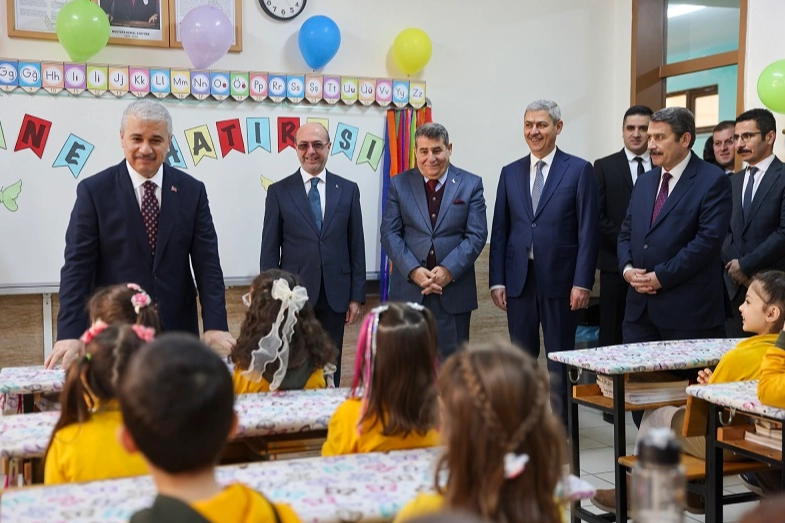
x=764 y=47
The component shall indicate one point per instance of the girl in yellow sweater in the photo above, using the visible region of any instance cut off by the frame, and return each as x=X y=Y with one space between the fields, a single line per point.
x=282 y=346
x=84 y=445
x=504 y=447
x=393 y=400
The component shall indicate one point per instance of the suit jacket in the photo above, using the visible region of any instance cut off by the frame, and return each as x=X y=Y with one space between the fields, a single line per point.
x=458 y=238
x=758 y=241
x=682 y=247
x=615 y=186
x=563 y=232
x=292 y=242
x=106 y=243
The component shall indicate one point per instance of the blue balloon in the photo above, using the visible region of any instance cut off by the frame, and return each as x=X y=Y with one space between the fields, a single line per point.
x=319 y=41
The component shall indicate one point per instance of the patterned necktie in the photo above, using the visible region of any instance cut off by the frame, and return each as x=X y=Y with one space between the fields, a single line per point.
x=316 y=202
x=538 y=183
x=150 y=212
x=747 y=202
x=641 y=170
x=661 y=197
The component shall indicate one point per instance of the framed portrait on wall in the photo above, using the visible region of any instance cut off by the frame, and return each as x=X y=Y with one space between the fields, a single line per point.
x=137 y=22
x=33 y=18
x=233 y=9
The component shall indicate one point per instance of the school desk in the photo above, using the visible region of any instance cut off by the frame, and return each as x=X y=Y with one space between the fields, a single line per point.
x=619 y=361
x=19 y=384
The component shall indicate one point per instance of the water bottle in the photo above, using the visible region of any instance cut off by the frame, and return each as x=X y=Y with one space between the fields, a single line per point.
x=658 y=484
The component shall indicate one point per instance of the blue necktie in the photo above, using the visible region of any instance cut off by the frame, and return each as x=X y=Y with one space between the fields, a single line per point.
x=538 y=184
x=747 y=202
x=316 y=202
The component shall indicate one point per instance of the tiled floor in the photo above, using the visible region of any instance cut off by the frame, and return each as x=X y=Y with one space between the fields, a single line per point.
x=596 y=440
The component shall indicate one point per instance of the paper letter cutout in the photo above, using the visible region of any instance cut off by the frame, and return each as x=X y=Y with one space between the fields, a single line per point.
x=33 y=135
x=8 y=195
x=287 y=129
x=200 y=143
x=174 y=157
x=266 y=182
x=2 y=137
x=324 y=121
x=230 y=137
x=345 y=140
x=258 y=132
x=74 y=154
x=371 y=150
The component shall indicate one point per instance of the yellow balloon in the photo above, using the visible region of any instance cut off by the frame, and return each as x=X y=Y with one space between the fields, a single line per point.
x=412 y=50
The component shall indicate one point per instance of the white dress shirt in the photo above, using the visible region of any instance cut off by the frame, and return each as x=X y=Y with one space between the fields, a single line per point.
x=321 y=186
x=762 y=166
x=545 y=169
x=634 y=165
x=442 y=178
x=137 y=180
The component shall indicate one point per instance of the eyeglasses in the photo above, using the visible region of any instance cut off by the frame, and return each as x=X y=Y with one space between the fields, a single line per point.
x=745 y=137
x=317 y=146
x=247 y=299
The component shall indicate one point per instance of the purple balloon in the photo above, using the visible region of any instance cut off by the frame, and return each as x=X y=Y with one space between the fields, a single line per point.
x=206 y=34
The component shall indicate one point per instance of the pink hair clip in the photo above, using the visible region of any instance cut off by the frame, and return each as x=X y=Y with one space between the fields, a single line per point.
x=97 y=328
x=134 y=287
x=146 y=334
x=140 y=300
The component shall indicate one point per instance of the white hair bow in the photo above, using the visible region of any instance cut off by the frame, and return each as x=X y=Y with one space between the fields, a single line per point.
x=271 y=346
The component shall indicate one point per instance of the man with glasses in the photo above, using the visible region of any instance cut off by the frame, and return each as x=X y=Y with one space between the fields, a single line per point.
x=313 y=227
x=723 y=146
x=756 y=239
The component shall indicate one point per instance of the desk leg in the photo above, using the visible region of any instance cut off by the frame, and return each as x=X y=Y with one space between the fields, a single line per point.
x=619 y=447
x=572 y=430
x=713 y=469
x=28 y=403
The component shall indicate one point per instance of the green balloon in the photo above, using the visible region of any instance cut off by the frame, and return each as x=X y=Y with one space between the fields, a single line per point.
x=771 y=86
x=82 y=28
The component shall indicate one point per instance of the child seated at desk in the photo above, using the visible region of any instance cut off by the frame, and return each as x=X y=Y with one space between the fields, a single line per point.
x=282 y=346
x=178 y=411
x=393 y=400
x=763 y=314
x=84 y=446
x=771 y=387
x=505 y=448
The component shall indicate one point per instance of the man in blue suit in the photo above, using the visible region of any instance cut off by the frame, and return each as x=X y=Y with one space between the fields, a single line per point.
x=544 y=242
x=313 y=227
x=433 y=229
x=670 y=241
x=144 y=222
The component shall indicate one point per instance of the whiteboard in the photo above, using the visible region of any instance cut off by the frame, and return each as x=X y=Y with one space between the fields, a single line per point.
x=33 y=235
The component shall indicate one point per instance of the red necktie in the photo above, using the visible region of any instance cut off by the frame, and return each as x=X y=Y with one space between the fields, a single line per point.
x=150 y=211
x=432 y=185
x=661 y=197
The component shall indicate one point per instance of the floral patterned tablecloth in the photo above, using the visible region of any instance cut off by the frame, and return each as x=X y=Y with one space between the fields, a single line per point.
x=647 y=357
x=29 y=380
x=263 y=414
x=739 y=395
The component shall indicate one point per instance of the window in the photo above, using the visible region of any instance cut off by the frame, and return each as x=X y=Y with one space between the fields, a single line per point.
x=704 y=102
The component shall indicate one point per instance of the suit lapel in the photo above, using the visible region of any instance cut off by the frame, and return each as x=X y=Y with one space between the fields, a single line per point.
x=555 y=175
x=332 y=191
x=171 y=199
x=452 y=182
x=679 y=190
x=524 y=181
x=127 y=196
x=293 y=185
x=763 y=190
x=417 y=188
x=651 y=186
x=624 y=168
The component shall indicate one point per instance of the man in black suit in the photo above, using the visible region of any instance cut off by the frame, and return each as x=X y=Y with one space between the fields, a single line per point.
x=616 y=175
x=313 y=227
x=143 y=222
x=756 y=239
x=723 y=146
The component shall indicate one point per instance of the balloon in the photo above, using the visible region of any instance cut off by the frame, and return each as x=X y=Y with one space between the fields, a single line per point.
x=412 y=50
x=771 y=86
x=206 y=34
x=319 y=41
x=82 y=28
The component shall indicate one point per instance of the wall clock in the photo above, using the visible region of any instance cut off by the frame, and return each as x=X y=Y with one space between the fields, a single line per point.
x=283 y=10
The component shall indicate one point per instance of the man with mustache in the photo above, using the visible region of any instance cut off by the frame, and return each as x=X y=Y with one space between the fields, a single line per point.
x=142 y=221
x=756 y=239
x=313 y=227
x=724 y=145
x=670 y=241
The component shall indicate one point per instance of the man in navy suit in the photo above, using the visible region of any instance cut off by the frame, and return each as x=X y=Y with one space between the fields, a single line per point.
x=544 y=242
x=313 y=227
x=144 y=222
x=670 y=241
x=433 y=229
x=616 y=175
x=756 y=239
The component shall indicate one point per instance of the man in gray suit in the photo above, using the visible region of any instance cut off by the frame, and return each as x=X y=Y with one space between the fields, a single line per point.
x=756 y=239
x=313 y=227
x=433 y=229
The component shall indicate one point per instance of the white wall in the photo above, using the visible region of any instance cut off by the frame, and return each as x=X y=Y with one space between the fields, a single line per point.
x=511 y=52
x=763 y=47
